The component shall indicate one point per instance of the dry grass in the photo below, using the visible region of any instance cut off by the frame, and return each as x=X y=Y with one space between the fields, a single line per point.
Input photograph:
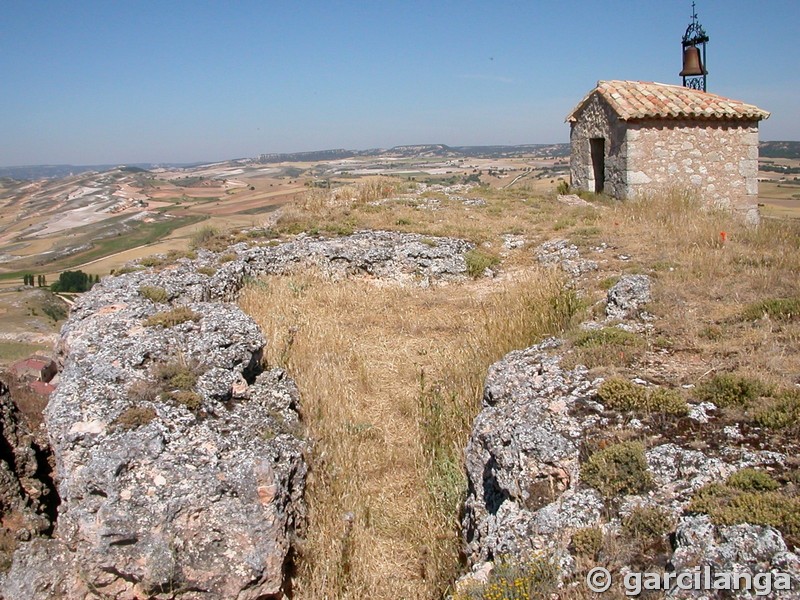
x=391 y=379
x=391 y=376
x=706 y=281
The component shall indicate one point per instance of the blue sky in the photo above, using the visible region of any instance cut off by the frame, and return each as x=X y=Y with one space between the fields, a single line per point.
x=122 y=81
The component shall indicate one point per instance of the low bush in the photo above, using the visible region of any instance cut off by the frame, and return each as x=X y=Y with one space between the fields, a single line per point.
x=782 y=413
x=134 y=417
x=171 y=318
x=154 y=293
x=209 y=271
x=779 y=309
x=730 y=389
x=175 y=376
x=620 y=394
x=728 y=505
x=587 y=541
x=646 y=523
x=511 y=580
x=203 y=237
x=478 y=261
x=753 y=480
x=191 y=400
x=618 y=469
x=608 y=346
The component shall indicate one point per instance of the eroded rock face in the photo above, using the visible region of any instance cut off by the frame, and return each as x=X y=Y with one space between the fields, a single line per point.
x=27 y=495
x=627 y=296
x=750 y=549
x=197 y=499
x=525 y=495
x=522 y=457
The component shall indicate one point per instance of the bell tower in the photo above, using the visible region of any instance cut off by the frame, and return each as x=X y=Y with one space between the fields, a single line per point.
x=694 y=55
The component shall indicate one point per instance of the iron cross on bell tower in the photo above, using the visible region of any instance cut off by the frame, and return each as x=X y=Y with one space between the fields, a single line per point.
x=694 y=71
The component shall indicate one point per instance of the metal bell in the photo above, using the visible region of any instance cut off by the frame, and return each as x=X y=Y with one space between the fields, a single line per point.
x=692 y=64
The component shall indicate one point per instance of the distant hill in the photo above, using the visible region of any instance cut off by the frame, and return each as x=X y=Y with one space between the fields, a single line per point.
x=421 y=151
x=779 y=149
x=33 y=172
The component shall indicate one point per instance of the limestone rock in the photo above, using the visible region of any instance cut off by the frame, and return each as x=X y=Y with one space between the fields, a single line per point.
x=750 y=549
x=178 y=464
x=522 y=458
x=628 y=296
x=162 y=494
x=566 y=256
x=27 y=494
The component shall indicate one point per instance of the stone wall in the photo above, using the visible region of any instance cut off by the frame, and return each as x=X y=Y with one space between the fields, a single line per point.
x=598 y=120
x=717 y=158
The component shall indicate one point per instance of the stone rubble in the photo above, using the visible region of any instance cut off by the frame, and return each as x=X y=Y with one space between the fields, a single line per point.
x=563 y=254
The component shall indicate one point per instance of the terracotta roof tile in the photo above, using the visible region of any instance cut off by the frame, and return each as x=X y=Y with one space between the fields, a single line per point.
x=647 y=100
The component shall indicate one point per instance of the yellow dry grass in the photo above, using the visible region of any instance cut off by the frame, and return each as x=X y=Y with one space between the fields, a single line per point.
x=391 y=379
x=391 y=376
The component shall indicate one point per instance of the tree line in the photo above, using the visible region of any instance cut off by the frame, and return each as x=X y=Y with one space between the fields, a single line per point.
x=68 y=281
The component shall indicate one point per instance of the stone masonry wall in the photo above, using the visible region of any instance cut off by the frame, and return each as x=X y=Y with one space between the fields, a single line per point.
x=598 y=120
x=718 y=158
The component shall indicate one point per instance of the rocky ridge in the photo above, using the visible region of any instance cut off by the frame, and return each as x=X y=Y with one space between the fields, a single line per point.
x=526 y=497
x=179 y=466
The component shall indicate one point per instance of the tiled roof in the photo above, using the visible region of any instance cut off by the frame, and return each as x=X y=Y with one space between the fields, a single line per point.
x=646 y=100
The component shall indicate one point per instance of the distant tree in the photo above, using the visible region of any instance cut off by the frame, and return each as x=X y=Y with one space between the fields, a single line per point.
x=71 y=281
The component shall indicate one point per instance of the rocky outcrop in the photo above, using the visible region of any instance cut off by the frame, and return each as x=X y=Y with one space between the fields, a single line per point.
x=27 y=494
x=522 y=457
x=525 y=495
x=627 y=296
x=745 y=549
x=178 y=462
x=566 y=256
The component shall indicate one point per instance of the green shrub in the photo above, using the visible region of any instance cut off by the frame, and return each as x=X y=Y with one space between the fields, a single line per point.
x=562 y=188
x=207 y=270
x=646 y=523
x=134 y=417
x=618 y=469
x=753 y=480
x=478 y=261
x=171 y=318
x=729 y=389
x=727 y=505
x=780 y=309
x=203 y=237
x=783 y=413
x=620 y=394
x=511 y=580
x=54 y=308
x=152 y=261
x=606 y=336
x=154 y=293
x=587 y=541
x=667 y=401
